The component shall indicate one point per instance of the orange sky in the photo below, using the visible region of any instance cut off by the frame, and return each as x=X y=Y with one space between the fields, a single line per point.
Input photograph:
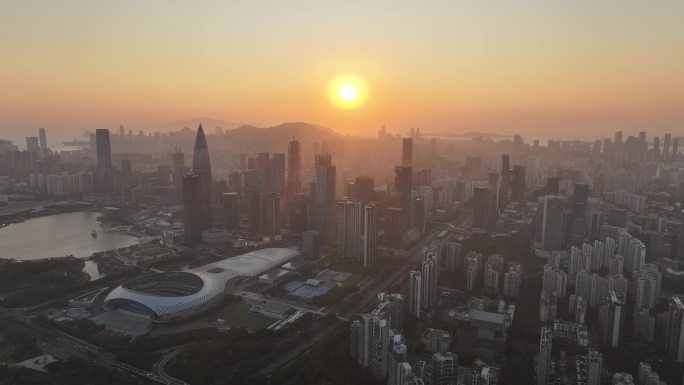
x=537 y=67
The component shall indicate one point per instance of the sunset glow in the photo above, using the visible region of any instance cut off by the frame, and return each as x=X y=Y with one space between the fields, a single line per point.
x=536 y=67
x=348 y=91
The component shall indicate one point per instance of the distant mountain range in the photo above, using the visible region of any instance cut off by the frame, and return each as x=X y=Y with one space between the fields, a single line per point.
x=470 y=134
x=209 y=124
x=266 y=139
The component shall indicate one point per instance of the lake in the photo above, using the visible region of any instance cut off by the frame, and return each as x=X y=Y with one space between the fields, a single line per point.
x=59 y=235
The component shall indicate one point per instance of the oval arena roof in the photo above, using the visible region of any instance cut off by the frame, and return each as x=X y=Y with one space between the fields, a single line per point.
x=215 y=278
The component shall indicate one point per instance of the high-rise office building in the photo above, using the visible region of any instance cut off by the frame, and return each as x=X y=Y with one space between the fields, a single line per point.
x=505 y=185
x=471 y=269
x=518 y=183
x=379 y=347
x=201 y=166
x=193 y=214
x=675 y=335
x=444 y=369
x=364 y=187
x=675 y=148
x=579 y=213
x=230 y=210
x=647 y=286
x=178 y=161
x=370 y=234
x=43 y=140
x=402 y=184
x=415 y=293
x=395 y=226
x=420 y=213
x=348 y=228
x=270 y=222
x=126 y=173
x=544 y=357
x=32 y=144
x=552 y=186
x=481 y=207
x=616 y=265
x=552 y=223
x=407 y=152
x=264 y=172
x=429 y=278
x=324 y=197
x=294 y=167
x=494 y=186
x=611 y=315
x=594 y=368
x=310 y=244
x=453 y=258
x=278 y=171
x=512 y=280
x=493 y=271
x=104 y=171
x=666 y=147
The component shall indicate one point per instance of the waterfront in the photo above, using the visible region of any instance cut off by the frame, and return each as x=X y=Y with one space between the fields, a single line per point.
x=59 y=235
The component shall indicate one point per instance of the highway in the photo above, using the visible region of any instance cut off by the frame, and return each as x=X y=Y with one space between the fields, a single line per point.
x=66 y=345
x=161 y=367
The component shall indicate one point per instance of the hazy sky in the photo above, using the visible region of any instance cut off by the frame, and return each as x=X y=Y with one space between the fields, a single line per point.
x=545 y=68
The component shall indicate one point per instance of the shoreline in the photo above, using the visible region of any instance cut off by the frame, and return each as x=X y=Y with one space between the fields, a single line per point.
x=45 y=211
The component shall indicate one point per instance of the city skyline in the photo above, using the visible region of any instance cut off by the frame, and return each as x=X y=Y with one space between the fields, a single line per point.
x=537 y=69
x=319 y=193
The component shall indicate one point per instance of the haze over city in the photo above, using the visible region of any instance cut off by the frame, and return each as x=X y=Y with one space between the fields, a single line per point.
x=341 y=192
x=532 y=67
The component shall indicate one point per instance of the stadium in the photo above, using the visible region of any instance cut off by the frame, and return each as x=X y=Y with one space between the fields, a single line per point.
x=176 y=295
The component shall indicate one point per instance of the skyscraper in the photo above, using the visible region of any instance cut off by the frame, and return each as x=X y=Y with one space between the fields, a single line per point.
x=126 y=173
x=402 y=184
x=415 y=294
x=480 y=207
x=429 y=279
x=264 y=172
x=544 y=357
x=105 y=174
x=230 y=209
x=453 y=256
x=201 y=166
x=512 y=280
x=278 y=170
x=364 y=186
x=178 y=160
x=324 y=197
x=666 y=147
x=43 y=140
x=420 y=213
x=552 y=186
x=675 y=148
x=517 y=183
x=675 y=335
x=407 y=152
x=552 y=223
x=370 y=234
x=579 y=213
x=611 y=316
x=294 y=167
x=594 y=367
x=32 y=144
x=348 y=229
x=444 y=368
x=192 y=209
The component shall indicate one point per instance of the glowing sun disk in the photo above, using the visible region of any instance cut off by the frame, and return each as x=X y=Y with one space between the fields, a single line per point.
x=348 y=90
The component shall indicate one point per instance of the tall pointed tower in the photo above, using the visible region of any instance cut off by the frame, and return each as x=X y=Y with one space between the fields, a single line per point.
x=201 y=166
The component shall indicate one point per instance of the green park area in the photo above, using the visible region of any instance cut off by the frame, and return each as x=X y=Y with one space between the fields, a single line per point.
x=237 y=315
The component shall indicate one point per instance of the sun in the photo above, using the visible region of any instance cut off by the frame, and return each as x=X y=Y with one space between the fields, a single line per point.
x=348 y=90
